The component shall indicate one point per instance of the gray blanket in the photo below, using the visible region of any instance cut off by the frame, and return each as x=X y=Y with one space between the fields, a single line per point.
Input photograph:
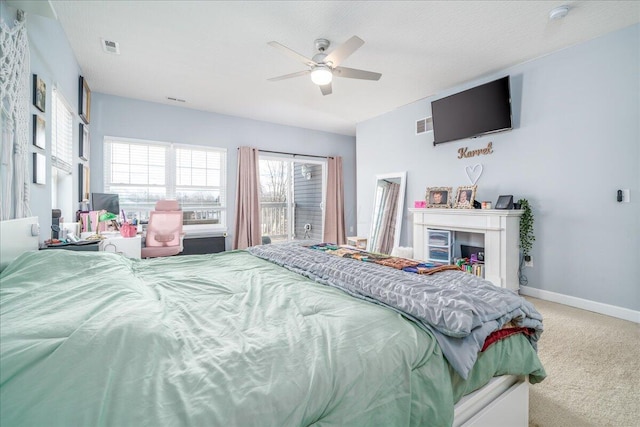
x=460 y=309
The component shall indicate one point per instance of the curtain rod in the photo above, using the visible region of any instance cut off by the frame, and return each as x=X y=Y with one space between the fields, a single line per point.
x=293 y=154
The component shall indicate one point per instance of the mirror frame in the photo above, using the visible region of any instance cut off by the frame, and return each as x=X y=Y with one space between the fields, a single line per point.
x=399 y=207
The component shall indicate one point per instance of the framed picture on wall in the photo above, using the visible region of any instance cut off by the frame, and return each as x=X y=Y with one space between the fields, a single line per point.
x=39 y=93
x=438 y=197
x=465 y=196
x=84 y=142
x=39 y=169
x=84 y=100
x=38 y=131
x=83 y=182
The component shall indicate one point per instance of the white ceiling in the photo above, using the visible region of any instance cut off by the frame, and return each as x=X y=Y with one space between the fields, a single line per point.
x=214 y=54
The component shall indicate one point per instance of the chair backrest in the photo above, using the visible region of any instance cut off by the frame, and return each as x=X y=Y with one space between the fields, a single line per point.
x=165 y=225
x=167 y=205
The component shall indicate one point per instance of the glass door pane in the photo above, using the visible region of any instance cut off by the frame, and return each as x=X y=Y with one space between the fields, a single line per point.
x=291 y=199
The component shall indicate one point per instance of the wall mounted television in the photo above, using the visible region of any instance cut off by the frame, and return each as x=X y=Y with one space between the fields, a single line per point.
x=106 y=201
x=473 y=112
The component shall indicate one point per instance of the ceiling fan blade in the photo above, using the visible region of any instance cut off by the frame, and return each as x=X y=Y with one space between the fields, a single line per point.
x=288 y=76
x=292 y=53
x=340 y=53
x=353 y=73
x=326 y=89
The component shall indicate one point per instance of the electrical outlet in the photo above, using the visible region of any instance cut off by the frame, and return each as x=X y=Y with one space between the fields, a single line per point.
x=529 y=263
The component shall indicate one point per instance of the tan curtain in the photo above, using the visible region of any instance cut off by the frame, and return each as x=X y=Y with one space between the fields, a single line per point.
x=334 y=228
x=247 y=230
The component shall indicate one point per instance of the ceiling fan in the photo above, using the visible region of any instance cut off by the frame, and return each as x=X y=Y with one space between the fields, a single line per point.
x=323 y=67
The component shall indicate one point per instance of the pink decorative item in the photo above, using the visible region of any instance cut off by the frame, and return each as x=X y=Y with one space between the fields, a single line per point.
x=128 y=230
x=420 y=204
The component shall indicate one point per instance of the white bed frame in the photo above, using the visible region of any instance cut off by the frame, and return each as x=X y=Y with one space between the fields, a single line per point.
x=502 y=402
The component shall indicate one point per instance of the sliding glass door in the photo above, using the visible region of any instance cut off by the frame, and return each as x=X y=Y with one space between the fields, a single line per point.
x=292 y=198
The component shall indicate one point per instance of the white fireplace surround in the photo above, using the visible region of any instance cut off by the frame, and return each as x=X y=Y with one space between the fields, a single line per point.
x=501 y=230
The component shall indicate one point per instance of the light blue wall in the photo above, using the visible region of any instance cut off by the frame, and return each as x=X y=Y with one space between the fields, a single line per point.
x=575 y=142
x=124 y=117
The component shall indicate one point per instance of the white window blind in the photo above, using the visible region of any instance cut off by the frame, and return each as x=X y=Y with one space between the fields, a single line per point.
x=143 y=172
x=61 y=133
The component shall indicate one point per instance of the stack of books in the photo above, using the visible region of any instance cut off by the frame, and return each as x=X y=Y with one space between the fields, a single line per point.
x=471 y=266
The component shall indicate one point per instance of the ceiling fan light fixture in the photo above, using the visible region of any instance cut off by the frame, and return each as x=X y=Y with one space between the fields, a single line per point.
x=321 y=75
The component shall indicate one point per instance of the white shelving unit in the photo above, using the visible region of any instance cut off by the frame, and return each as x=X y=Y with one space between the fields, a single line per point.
x=439 y=246
x=499 y=227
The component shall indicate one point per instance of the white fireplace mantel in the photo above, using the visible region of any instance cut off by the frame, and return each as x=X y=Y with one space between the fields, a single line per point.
x=501 y=230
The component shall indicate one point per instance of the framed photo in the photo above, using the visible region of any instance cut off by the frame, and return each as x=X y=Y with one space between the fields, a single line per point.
x=465 y=197
x=39 y=169
x=84 y=100
x=505 y=202
x=438 y=197
x=83 y=182
x=84 y=142
x=38 y=131
x=39 y=93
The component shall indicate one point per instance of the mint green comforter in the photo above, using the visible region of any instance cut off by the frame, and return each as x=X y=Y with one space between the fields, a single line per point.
x=93 y=339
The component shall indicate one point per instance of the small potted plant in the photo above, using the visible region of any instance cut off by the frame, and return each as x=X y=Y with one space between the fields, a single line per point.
x=526 y=229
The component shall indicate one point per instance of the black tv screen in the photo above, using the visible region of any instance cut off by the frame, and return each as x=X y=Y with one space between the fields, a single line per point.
x=476 y=111
x=106 y=201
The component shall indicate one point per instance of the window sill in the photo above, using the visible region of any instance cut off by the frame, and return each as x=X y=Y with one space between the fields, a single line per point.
x=195 y=231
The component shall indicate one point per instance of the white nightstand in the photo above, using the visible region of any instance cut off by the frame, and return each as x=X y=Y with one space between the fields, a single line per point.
x=127 y=246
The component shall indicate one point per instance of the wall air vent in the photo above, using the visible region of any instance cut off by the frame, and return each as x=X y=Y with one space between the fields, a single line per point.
x=424 y=125
x=111 y=46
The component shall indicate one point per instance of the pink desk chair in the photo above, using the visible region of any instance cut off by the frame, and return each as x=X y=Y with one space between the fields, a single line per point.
x=164 y=231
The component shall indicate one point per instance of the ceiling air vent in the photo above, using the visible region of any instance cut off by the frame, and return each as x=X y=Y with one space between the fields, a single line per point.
x=424 y=125
x=111 y=46
x=171 y=98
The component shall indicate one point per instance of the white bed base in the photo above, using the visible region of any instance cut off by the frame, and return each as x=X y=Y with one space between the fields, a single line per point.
x=504 y=401
x=18 y=236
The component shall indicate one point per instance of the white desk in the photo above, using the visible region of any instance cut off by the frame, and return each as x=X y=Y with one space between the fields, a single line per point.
x=127 y=246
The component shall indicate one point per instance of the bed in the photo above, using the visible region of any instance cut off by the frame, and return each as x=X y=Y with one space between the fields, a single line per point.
x=233 y=339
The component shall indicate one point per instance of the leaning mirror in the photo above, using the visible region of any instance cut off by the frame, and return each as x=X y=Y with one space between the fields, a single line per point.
x=388 y=205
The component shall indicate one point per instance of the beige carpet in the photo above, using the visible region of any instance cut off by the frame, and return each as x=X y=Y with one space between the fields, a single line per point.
x=593 y=370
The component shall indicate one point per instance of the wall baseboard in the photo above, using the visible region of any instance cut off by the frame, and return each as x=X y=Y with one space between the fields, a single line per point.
x=597 y=307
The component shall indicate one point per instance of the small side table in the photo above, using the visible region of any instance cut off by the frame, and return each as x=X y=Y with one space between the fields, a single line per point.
x=358 y=242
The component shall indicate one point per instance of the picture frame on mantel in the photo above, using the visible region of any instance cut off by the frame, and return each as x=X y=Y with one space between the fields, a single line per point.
x=84 y=100
x=465 y=196
x=438 y=197
x=84 y=145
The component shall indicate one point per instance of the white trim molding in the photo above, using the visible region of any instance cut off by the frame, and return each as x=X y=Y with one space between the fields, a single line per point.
x=597 y=307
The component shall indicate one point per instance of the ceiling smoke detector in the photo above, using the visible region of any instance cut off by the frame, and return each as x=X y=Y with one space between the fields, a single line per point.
x=111 y=46
x=558 y=13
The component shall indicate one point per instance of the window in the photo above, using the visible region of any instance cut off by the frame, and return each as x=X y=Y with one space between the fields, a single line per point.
x=61 y=156
x=143 y=172
x=291 y=189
